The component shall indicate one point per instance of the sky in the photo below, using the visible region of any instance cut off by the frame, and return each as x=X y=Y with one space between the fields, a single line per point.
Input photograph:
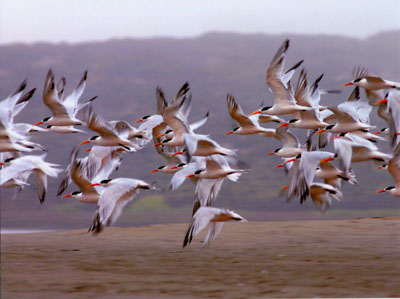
x=96 y=20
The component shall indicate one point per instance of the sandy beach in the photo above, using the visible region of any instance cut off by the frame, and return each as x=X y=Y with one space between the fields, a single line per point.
x=343 y=258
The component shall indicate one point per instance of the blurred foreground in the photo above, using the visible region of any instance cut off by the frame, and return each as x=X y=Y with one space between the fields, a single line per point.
x=342 y=258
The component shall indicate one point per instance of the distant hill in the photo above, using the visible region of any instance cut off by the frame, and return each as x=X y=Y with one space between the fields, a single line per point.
x=124 y=74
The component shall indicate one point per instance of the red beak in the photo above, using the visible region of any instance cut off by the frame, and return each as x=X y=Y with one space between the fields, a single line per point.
x=270 y=154
x=39 y=123
x=347 y=84
x=92 y=185
x=138 y=121
x=321 y=131
x=1 y=163
x=381 y=102
x=285 y=187
x=326 y=160
x=157 y=144
x=190 y=175
x=177 y=153
x=84 y=142
x=283 y=125
x=229 y=133
x=67 y=195
x=161 y=135
x=154 y=170
x=278 y=166
x=88 y=150
x=380 y=191
x=174 y=167
x=291 y=160
x=256 y=112
x=335 y=137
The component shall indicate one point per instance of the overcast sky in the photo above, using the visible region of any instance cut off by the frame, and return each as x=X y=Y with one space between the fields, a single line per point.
x=88 y=20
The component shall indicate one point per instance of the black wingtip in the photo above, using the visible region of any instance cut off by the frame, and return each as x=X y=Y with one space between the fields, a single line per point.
x=319 y=78
x=85 y=75
x=207 y=114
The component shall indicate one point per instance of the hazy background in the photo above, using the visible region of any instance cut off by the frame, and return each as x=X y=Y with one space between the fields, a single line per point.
x=131 y=47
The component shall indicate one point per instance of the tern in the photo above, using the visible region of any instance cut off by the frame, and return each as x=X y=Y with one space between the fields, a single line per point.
x=213 y=217
x=393 y=168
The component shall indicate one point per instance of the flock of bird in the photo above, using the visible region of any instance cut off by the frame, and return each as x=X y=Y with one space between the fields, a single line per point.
x=199 y=158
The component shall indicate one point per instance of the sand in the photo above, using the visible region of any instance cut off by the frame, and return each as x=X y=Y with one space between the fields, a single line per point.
x=344 y=258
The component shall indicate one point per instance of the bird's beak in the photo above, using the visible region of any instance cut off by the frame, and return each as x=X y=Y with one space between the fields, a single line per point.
x=326 y=160
x=398 y=134
x=380 y=191
x=255 y=112
x=379 y=167
x=84 y=142
x=138 y=121
x=174 y=167
x=285 y=188
x=270 y=154
x=381 y=102
x=283 y=125
x=39 y=123
x=377 y=132
x=229 y=133
x=321 y=131
x=347 y=84
x=157 y=144
x=1 y=163
x=278 y=166
x=288 y=161
x=177 y=153
x=154 y=170
x=93 y=185
x=67 y=195
x=161 y=135
x=190 y=175
x=334 y=137
x=88 y=150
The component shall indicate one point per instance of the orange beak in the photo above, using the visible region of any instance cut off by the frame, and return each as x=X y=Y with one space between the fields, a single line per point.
x=380 y=191
x=377 y=133
x=190 y=175
x=381 y=102
x=84 y=142
x=270 y=154
x=283 y=125
x=67 y=195
x=335 y=137
x=347 y=84
x=321 y=131
x=254 y=113
x=88 y=150
x=229 y=133
x=285 y=188
x=138 y=121
x=177 y=153
x=157 y=144
x=278 y=166
x=174 y=167
x=39 y=123
x=288 y=161
x=154 y=170
x=92 y=185
x=161 y=135
x=326 y=160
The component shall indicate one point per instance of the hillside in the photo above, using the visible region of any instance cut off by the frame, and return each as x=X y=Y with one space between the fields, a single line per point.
x=124 y=74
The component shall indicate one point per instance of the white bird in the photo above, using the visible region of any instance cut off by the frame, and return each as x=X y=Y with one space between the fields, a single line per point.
x=371 y=82
x=247 y=124
x=394 y=169
x=116 y=195
x=15 y=167
x=214 y=218
x=277 y=81
x=291 y=145
x=63 y=110
x=108 y=136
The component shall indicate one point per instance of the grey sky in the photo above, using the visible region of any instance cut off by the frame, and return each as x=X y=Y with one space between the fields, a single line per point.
x=83 y=20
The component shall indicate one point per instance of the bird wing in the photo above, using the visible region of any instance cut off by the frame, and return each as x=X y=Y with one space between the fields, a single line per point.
x=71 y=101
x=288 y=139
x=199 y=123
x=97 y=123
x=394 y=166
x=237 y=113
x=213 y=231
x=50 y=97
x=179 y=177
